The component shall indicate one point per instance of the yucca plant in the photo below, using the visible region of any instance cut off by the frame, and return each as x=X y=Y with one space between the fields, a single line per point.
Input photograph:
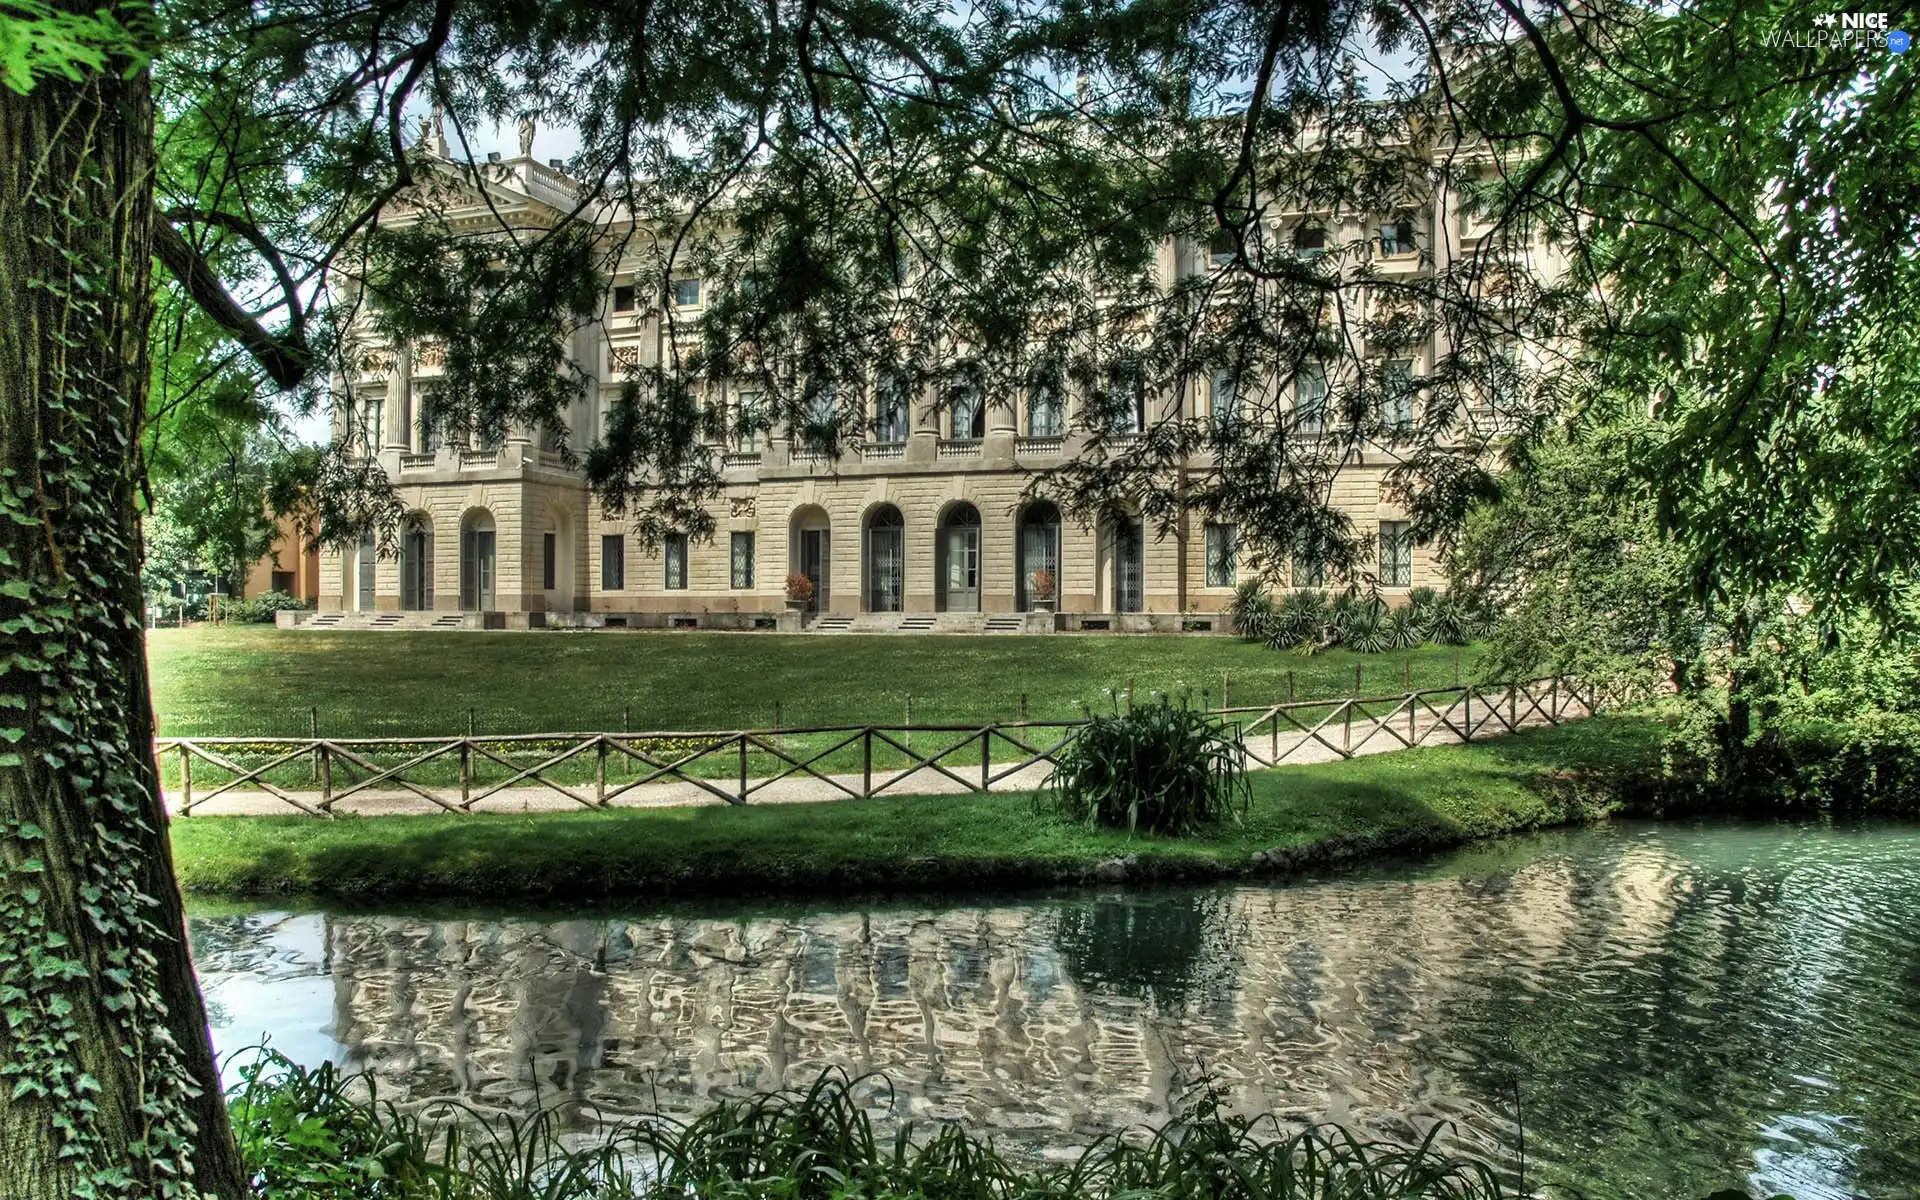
x=1299 y=619
x=1365 y=628
x=1251 y=610
x=1452 y=622
x=1160 y=768
x=1405 y=628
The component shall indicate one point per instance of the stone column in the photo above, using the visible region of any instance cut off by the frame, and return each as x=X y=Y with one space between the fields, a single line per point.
x=397 y=417
x=924 y=415
x=1002 y=428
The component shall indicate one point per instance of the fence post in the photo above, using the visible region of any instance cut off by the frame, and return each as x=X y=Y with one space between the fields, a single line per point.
x=469 y=720
x=866 y=763
x=1468 y=701
x=466 y=773
x=1513 y=705
x=600 y=776
x=626 y=719
x=1553 y=701
x=186 y=778
x=743 y=768
x=313 y=731
x=326 y=777
x=1410 y=722
x=986 y=757
x=1346 y=728
x=907 y=733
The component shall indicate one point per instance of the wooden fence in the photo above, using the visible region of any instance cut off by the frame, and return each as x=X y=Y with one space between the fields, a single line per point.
x=718 y=763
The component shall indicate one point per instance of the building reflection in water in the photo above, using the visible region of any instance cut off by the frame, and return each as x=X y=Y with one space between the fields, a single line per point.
x=1387 y=1003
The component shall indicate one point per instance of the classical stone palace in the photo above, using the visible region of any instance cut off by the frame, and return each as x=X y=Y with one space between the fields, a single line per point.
x=922 y=525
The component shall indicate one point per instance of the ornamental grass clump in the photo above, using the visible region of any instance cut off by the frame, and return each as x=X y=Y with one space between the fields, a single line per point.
x=320 y=1135
x=1159 y=768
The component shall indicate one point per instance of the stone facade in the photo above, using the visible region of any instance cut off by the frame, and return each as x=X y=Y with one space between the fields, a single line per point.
x=507 y=530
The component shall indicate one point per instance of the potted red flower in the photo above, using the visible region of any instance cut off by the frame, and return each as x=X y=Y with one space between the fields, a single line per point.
x=1040 y=586
x=799 y=592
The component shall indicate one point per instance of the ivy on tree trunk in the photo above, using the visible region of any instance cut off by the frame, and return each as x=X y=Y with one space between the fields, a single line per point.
x=108 y=1085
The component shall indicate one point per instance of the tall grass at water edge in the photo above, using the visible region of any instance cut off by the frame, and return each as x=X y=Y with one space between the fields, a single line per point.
x=322 y=1135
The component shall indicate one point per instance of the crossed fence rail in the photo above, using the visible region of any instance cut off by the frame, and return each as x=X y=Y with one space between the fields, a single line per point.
x=719 y=763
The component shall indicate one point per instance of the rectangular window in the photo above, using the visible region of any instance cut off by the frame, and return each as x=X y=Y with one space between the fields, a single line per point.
x=1046 y=415
x=1396 y=394
x=686 y=293
x=1222 y=400
x=1396 y=237
x=1223 y=248
x=1308 y=569
x=549 y=561
x=746 y=423
x=1310 y=400
x=283 y=582
x=1504 y=378
x=968 y=417
x=1126 y=398
x=372 y=410
x=1396 y=555
x=613 y=562
x=890 y=409
x=742 y=559
x=676 y=555
x=1309 y=241
x=1223 y=546
x=625 y=298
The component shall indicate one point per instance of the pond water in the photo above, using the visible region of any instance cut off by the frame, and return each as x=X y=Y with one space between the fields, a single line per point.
x=1650 y=1010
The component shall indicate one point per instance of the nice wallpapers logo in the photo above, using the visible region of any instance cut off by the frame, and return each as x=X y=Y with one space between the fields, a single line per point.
x=1848 y=30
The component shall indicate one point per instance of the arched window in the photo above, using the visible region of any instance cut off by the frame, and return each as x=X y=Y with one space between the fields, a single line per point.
x=886 y=566
x=416 y=563
x=1039 y=550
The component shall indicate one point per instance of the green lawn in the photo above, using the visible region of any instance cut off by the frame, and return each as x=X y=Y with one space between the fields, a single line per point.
x=1424 y=798
x=260 y=681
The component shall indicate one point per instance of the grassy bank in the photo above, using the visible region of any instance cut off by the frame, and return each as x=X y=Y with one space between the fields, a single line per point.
x=1300 y=817
x=247 y=681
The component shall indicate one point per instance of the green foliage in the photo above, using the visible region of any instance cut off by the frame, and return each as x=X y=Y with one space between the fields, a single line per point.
x=316 y=1134
x=1250 y=610
x=259 y=610
x=1299 y=620
x=1573 y=558
x=38 y=40
x=1160 y=768
x=1363 y=625
x=320 y=1135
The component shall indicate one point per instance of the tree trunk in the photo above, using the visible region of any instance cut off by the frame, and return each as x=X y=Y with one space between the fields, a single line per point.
x=107 y=1077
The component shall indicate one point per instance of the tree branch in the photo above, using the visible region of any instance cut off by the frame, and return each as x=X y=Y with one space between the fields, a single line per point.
x=286 y=361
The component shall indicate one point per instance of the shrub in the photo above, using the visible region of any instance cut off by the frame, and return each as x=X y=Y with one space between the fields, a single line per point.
x=1043 y=584
x=1299 y=620
x=1366 y=628
x=1404 y=628
x=1159 y=768
x=1251 y=610
x=1451 y=621
x=259 y=609
x=799 y=588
